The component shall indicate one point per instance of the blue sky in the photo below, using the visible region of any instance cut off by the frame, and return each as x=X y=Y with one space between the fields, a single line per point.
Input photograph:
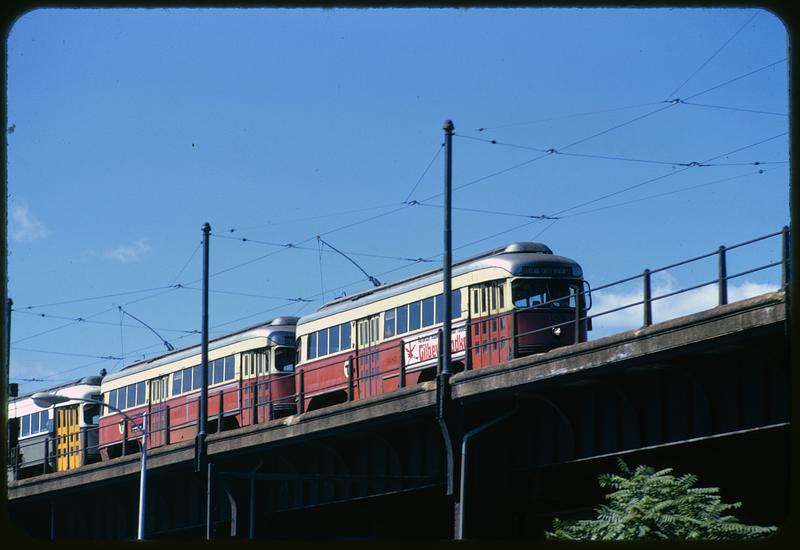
x=128 y=129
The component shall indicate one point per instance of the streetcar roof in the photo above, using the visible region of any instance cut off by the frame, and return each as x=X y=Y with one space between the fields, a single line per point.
x=279 y=324
x=512 y=258
x=93 y=380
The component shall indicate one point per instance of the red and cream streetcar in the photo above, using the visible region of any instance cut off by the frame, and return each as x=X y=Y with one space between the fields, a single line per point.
x=250 y=380
x=508 y=302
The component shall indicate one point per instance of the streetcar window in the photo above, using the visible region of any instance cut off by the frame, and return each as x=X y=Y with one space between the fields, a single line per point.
x=131 y=401
x=493 y=292
x=333 y=339
x=427 y=312
x=311 y=353
x=402 y=319
x=185 y=376
x=550 y=294
x=112 y=398
x=26 y=425
x=141 y=393
x=121 y=396
x=345 y=335
x=219 y=370
x=34 y=419
x=283 y=360
x=389 y=323
x=229 y=368
x=413 y=315
x=322 y=342
x=456 y=306
x=475 y=301
x=500 y=292
x=562 y=294
x=439 y=308
x=90 y=414
x=177 y=381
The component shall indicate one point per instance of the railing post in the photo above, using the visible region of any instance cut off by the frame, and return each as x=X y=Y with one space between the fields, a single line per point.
x=785 y=257
x=468 y=347
x=270 y=402
x=46 y=454
x=124 y=436
x=166 y=425
x=440 y=342
x=15 y=462
x=301 y=392
x=219 y=412
x=648 y=304
x=577 y=319
x=254 y=402
x=84 y=441
x=350 y=381
x=723 y=278
x=402 y=364
x=513 y=333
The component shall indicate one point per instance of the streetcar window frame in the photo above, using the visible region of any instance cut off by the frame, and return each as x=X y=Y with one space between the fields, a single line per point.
x=414 y=316
x=427 y=311
x=389 y=323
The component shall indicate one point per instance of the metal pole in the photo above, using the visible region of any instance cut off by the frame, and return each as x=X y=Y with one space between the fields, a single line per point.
x=723 y=278
x=209 y=503
x=143 y=478
x=8 y=341
x=200 y=440
x=448 y=246
x=785 y=255
x=252 y=525
x=463 y=484
x=648 y=304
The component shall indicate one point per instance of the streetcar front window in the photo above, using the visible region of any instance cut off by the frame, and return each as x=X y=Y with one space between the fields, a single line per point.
x=284 y=359
x=542 y=294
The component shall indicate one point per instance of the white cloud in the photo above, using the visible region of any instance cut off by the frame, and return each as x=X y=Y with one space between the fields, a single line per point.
x=667 y=308
x=128 y=253
x=25 y=227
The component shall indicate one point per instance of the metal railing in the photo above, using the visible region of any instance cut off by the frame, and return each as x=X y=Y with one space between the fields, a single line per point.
x=257 y=399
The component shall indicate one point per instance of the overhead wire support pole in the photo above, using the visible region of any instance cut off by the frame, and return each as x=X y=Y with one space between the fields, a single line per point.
x=443 y=409
x=447 y=266
x=200 y=440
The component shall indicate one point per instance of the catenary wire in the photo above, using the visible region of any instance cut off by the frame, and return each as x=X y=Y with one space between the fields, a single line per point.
x=438 y=151
x=707 y=61
x=733 y=80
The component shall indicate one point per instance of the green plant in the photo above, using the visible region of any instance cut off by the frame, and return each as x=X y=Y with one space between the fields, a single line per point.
x=649 y=504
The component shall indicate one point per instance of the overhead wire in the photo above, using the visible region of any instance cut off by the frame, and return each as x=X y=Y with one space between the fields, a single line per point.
x=707 y=61
x=739 y=109
x=666 y=193
x=562 y=117
x=438 y=151
x=733 y=80
x=670 y=174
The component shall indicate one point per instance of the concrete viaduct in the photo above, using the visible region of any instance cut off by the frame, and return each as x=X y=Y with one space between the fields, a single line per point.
x=707 y=393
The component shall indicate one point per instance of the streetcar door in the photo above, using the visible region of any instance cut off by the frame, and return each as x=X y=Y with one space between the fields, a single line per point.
x=68 y=438
x=368 y=366
x=158 y=417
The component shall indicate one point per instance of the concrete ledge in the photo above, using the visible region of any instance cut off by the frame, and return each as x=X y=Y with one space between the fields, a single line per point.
x=764 y=310
x=761 y=311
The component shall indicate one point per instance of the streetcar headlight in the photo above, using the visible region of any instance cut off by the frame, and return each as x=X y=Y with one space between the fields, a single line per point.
x=556 y=331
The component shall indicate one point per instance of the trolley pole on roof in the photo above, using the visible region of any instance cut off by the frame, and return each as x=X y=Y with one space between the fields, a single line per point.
x=200 y=440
